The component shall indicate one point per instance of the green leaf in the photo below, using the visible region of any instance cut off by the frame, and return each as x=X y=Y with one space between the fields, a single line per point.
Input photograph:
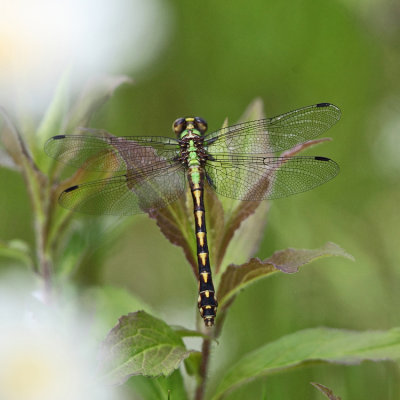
x=235 y=238
x=108 y=303
x=94 y=95
x=85 y=237
x=52 y=122
x=326 y=391
x=255 y=110
x=183 y=332
x=236 y=212
x=243 y=232
x=215 y=224
x=290 y=260
x=192 y=364
x=12 y=142
x=17 y=249
x=15 y=147
x=72 y=253
x=237 y=277
x=6 y=161
x=176 y=224
x=141 y=345
x=312 y=345
x=159 y=388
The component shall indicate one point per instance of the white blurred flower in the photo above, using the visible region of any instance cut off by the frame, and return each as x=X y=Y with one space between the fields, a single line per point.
x=45 y=353
x=40 y=40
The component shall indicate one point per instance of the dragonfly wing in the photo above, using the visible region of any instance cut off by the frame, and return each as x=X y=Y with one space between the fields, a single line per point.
x=103 y=152
x=272 y=135
x=258 y=178
x=127 y=194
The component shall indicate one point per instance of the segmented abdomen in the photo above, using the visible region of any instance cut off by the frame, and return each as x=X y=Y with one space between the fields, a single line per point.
x=207 y=301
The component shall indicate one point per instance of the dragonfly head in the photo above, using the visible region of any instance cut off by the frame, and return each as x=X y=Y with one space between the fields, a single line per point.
x=190 y=123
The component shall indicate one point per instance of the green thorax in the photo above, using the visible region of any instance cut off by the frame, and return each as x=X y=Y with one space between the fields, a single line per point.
x=190 y=132
x=193 y=160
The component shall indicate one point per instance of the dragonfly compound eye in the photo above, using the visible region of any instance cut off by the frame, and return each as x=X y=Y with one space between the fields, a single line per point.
x=201 y=124
x=179 y=125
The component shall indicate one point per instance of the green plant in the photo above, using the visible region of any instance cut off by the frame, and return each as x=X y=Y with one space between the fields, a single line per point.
x=140 y=344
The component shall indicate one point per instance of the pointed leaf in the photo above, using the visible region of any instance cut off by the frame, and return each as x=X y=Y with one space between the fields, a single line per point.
x=290 y=260
x=193 y=363
x=17 y=249
x=141 y=345
x=73 y=252
x=312 y=345
x=52 y=122
x=254 y=111
x=6 y=161
x=12 y=141
x=237 y=277
x=174 y=222
x=243 y=232
x=86 y=236
x=96 y=93
x=215 y=225
x=16 y=148
x=160 y=387
x=238 y=211
x=303 y=146
x=326 y=391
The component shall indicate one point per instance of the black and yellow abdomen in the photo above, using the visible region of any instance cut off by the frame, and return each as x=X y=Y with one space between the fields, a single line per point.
x=207 y=301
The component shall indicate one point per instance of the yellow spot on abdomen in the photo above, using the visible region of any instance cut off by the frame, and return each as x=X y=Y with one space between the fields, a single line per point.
x=197 y=196
x=201 y=236
x=199 y=217
x=203 y=258
x=204 y=276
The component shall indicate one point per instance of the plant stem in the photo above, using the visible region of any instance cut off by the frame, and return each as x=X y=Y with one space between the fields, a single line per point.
x=44 y=260
x=37 y=185
x=205 y=351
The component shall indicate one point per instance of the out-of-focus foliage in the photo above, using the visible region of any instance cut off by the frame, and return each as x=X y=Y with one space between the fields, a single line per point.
x=326 y=391
x=220 y=56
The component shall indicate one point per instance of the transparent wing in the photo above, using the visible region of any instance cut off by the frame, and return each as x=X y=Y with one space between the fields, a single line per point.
x=272 y=135
x=127 y=194
x=100 y=151
x=257 y=178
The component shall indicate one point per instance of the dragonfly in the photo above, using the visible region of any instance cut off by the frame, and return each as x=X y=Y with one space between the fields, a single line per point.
x=241 y=161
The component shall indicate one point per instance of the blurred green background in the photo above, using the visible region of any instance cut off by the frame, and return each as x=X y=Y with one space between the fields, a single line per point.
x=217 y=57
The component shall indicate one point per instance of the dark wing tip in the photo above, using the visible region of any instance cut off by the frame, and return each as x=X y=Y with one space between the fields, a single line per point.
x=70 y=189
x=322 y=158
x=333 y=165
x=324 y=104
x=49 y=145
x=334 y=110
